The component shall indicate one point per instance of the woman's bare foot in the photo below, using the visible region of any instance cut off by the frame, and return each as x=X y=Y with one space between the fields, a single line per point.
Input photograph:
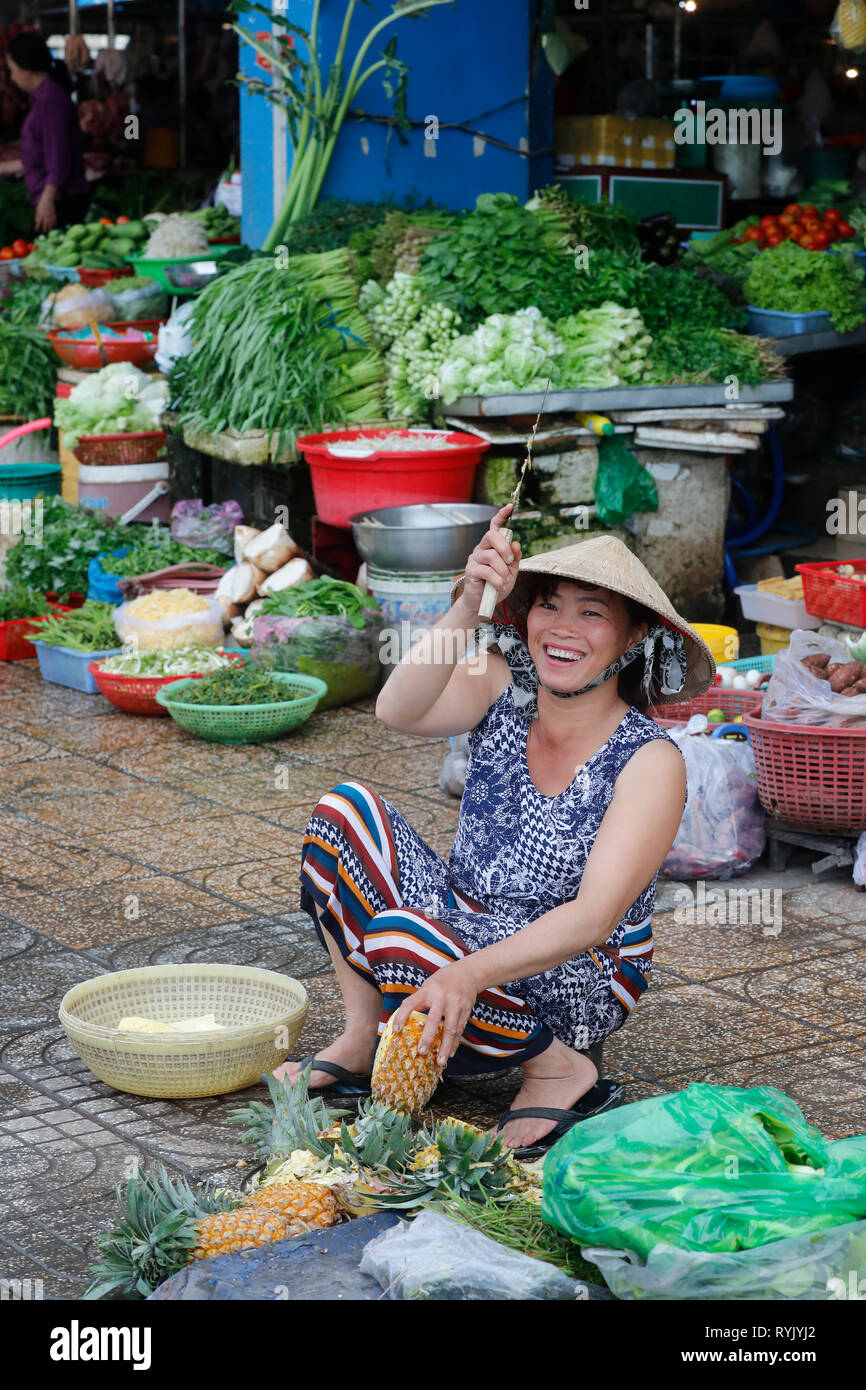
x=557 y=1078
x=352 y=1050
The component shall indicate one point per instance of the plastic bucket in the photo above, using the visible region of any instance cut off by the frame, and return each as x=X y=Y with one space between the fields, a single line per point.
x=114 y=488
x=411 y=604
x=723 y=642
x=343 y=485
x=18 y=481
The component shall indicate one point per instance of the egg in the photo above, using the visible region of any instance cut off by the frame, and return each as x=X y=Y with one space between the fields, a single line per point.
x=727 y=677
x=752 y=678
x=739 y=683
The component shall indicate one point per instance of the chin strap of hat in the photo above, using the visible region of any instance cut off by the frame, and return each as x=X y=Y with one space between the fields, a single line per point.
x=663 y=650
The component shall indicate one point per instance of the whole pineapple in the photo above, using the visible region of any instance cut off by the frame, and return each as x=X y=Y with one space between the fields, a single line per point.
x=403 y=1079
x=165 y=1224
x=272 y=1213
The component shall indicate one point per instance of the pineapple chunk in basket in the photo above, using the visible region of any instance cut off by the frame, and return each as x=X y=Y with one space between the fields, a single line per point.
x=133 y=1023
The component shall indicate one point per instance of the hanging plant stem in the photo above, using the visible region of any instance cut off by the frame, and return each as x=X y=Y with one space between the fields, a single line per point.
x=316 y=110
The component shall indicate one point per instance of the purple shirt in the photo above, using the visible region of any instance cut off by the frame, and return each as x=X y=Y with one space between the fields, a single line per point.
x=51 y=144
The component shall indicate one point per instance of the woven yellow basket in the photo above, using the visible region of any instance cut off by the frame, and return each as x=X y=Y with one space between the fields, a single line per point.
x=263 y=1013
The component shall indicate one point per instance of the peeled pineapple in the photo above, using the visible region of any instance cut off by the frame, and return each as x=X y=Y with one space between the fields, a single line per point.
x=403 y=1079
x=851 y=24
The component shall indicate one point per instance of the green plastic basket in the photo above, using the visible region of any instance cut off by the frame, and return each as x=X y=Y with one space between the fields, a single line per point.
x=155 y=268
x=753 y=663
x=244 y=723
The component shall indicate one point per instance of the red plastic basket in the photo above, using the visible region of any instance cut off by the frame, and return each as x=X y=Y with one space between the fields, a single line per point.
x=809 y=776
x=836 y=597
x=730 y=702
x=139 y=446
x=233 y=240
x=73 y=600
x=96 y=278
x=137 y=694
x=85 y=355
x=14 y=646
x=343 y=486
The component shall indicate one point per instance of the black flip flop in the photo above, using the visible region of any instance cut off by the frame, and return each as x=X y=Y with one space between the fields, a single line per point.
x=346 y=1083
x=604 y=1095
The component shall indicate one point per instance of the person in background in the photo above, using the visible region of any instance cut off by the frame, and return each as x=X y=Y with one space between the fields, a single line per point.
x=51 y=150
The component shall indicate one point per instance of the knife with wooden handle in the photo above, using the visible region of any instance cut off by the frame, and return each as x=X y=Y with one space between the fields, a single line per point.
x=490 y=596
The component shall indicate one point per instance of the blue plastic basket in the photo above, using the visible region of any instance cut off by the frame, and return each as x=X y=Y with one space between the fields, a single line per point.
x=778 y=323
x=101 y=584
x=753 y=663
x=63 y=666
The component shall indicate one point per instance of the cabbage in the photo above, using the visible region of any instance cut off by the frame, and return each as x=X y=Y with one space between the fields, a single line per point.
x=506 y=353
x=116 y=400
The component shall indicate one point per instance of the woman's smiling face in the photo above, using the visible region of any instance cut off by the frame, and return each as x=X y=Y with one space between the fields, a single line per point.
x=575 y=631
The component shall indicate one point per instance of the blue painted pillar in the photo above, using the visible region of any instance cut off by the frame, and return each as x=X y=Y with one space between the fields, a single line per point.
x=470 y=65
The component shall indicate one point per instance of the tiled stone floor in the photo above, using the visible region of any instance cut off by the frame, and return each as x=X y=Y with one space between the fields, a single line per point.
x=124 y=841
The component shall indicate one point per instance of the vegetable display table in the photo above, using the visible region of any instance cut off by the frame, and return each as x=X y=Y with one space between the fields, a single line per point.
x=622 y=397
x=798 y=343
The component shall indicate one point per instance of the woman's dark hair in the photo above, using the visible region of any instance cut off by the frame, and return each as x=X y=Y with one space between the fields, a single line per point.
x=629 y=680
x=30 y=51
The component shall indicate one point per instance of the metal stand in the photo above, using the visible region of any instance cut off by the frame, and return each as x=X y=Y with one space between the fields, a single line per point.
x=837 y=850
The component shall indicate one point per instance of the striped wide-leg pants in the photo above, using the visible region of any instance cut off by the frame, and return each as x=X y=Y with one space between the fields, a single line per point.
x=378 y=890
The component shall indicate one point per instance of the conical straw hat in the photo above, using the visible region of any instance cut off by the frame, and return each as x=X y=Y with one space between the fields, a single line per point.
x=605 y=561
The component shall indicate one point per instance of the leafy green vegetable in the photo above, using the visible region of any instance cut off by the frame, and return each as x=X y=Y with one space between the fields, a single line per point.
x=502 y=258
x=319 y=597
x=603 y=347
x=509 y=352
x=87 y=629
x=664 y=296
x=288 y=347
x=416 y=336
x=179 y=661
x=237 y=685
x=28 y=370
x=792 y=280
x=598 y=226
x=71 y=537
x=711 y=354
x=21 y=602
x=156 y=550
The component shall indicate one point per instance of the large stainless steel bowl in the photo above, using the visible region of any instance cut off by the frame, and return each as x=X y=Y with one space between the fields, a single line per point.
x=424 y=536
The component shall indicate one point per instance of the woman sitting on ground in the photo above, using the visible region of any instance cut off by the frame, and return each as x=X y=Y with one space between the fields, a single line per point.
x=532 y=943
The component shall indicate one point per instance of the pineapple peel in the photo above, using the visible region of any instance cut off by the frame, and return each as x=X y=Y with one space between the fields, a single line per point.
x=134 y=1023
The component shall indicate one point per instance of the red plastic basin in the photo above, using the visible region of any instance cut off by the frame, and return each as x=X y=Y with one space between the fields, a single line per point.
x=343 y=486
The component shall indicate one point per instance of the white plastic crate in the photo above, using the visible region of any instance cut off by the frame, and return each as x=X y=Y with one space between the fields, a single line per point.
x=760 y=606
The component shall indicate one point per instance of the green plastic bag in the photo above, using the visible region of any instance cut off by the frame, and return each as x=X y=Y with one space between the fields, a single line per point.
x=622 y=485
x=711 y=1168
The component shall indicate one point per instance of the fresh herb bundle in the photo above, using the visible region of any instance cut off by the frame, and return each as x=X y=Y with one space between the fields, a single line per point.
x=711 y=354
x=519 y=1225
x=318 y=598
x=21 y=602
x=28 y=370
x=237 y=685
x=792 y=280
x=598 y=226
x=86 y=629
x=71 y=537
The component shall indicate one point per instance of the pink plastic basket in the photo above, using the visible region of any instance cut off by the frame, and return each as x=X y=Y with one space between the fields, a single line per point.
x=814 y=777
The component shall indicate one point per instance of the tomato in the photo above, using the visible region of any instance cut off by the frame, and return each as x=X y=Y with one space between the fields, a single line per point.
x=832 y=215
x=753 y=234
x=7 y=254
x=794 y=209
x=822 y=239
x=106 y=221
x=807 y=242
x=796 y=232
x=769 y=223
x=812 y=224
x=120 y=220
x=809 y=210
x=845 y=229
x=19 y=247
x=737 y=240
x=787 y=219
x=775 y=239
